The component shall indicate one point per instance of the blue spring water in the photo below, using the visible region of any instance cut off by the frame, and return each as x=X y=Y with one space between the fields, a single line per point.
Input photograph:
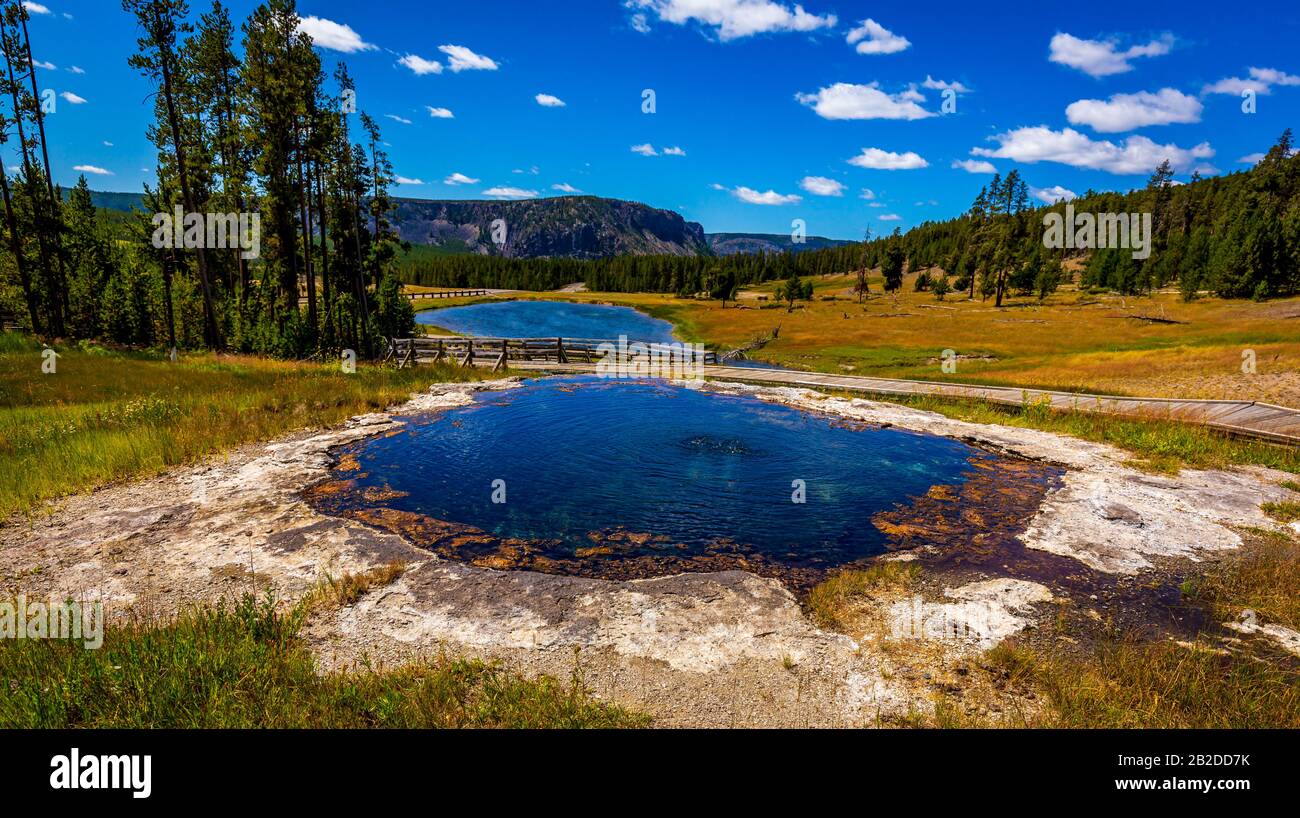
x=561 y=319
x=544 y=319
x=583 y=455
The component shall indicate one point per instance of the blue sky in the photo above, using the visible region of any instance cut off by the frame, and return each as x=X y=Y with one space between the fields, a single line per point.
x=765 y=111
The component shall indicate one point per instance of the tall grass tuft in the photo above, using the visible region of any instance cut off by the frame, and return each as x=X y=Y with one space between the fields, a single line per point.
x=242 y=666
x=107 y=415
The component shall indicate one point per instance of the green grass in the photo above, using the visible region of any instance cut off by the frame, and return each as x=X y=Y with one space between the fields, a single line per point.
x=243 y=666
x=831 y=602
x=1164 y=446
x=108 y=415
x=1286 y=512
x=1127 y=684
x=1126 y=681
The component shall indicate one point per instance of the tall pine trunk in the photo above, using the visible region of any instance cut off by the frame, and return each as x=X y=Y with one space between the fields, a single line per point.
x=211 y=333
x=16 y=246
x=56 y=216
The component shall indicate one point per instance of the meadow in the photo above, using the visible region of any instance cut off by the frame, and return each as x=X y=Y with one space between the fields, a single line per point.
x=110 y=414
x=1074 y=340
x=242 y=664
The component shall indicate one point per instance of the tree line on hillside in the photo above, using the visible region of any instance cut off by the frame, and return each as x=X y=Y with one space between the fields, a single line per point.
x=254 y=130
x=1237 y=236
x=682 y=275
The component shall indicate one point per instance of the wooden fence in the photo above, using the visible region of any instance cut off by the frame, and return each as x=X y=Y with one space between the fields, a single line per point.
x=499 y=352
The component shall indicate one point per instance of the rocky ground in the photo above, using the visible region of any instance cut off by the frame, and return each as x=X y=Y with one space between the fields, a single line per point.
x=719 y=649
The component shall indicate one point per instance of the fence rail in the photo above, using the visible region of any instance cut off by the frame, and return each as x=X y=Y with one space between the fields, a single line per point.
x=447 y=294
x=499 y=352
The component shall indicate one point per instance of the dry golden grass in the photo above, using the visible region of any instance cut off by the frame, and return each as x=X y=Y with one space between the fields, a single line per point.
x=834 y=602
x=1072 y=341
x=345 y=591
x=108 y=415
x=1264 y=578
x=1286 y=512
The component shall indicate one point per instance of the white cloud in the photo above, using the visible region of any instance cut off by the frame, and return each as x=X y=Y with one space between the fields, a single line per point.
x=1136 y=154
x=1053 y=194
x=733 y=19
x=876 y=159
x=1101 y=58
x=821 y=186
x=645 y=150
x=548 y=101
x=460 y=58
x=48 y=66
x=534 y=170
x=771 y=197
x=847 y=101
x=36 y=8
x=868 y=194
x=439 y=113
x=873 y=38
x=1261 y=81
x=72 y=98
x=975 y=166
x=459 y=179
x=890 y=217
x=1251 y=159
x=420 y=65
x=397 y=118
x=76 y=69
x=639 y=23
x=674 y=151
x=510 y=193
x=108 y=144
x=402 y=180
x=1125 y=112
x=717 y=186
x=333 y=36
x=939 y=85
x=565 y=187
x=92 y=169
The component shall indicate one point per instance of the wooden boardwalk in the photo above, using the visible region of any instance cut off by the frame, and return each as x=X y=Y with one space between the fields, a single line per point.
x=1251 y=419
x=421 y=296
x=506 y=353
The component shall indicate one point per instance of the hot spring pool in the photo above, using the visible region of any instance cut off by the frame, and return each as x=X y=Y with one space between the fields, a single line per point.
x=582 y=475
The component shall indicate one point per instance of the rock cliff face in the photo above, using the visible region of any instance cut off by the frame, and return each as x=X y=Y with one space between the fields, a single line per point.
x=564 y=227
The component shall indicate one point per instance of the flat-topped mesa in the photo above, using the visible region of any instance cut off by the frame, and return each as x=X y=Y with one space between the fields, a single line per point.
x=580 y=227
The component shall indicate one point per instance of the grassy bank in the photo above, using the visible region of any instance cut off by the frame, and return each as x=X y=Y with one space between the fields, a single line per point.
x=242 y=666
x=1164 y=446
x=1211 y=681
x=1154 y=345
x=107 y=415
x=1092 y=674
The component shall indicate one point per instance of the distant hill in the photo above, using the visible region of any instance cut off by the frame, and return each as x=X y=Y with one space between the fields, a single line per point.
x=578 y=227
x=106 y=200
x=728 y=244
